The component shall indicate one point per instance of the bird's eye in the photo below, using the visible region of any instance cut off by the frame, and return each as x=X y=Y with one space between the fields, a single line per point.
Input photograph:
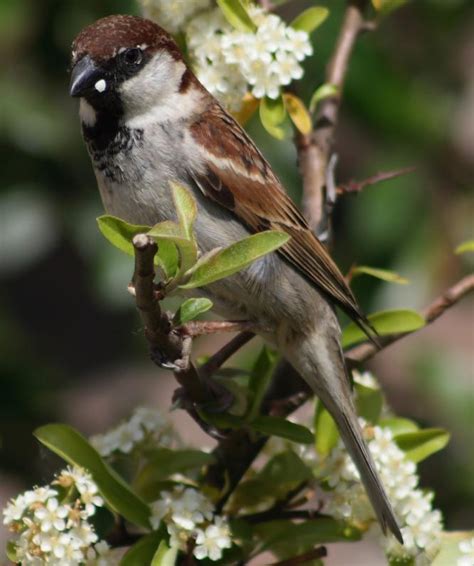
x=132 y=56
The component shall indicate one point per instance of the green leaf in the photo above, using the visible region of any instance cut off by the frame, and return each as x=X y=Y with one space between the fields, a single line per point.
x=221 y=420
x=380 y=274
x=325 y=430
x=272 y=114
x=422 y=443
x=260 y=378
x=170 y=232
x=465 y=247
x=280 y=475
x=287 y=539
x=450 y=552
x=186 y=208
x=191 y=309
x=369 y=402
x=236 y=14
x=385 y=323
x=398 y=425
x=276 y=426
x=310 y=19
x=326 y=90
x=74 y=449
x=163 y=463
x=168 y=258
x=228 y=261
x=119 y=233
x=384 y=7
x=165 y=556
x=401 y=561
x=143 y=551
x=11 y=551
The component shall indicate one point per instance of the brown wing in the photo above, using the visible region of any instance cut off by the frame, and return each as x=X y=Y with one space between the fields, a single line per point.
x=249 y=188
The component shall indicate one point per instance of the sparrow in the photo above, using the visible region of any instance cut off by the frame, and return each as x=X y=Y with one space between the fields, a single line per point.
x=148 y=121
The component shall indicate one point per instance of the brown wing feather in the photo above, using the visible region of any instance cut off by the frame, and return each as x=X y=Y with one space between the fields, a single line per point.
x=254 y=194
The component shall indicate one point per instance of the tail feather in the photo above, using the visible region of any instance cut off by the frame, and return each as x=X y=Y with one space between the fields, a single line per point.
x=320 y=362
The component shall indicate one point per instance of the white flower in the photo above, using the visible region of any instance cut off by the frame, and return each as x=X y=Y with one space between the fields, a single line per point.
x=184 y=511
x=160 y=508
x=83 y=534
x=190 y=509
x=14 y=510
x=273 y=32
x=298 y=43
x=466 y=547
x=420 y=524
x=255 y=48
x=127 y=435
x=150 y=419
x=186 y=508
x=230 y=62
x=366 y=379
x=172 y=14
x=52 y=516
x=102 y=555
x=287 y=67
x=264 y=80
x=105 y=444
x=211 y=541
x=66 y=550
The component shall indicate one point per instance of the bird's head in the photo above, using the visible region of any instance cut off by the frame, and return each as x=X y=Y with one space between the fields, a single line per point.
x=126 y=64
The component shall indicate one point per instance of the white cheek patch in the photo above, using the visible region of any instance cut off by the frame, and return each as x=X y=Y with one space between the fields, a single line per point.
x=100 y=86
x=87 y=113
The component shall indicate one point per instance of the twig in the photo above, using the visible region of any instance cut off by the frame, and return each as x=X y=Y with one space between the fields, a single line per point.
x=221 y=356
x=358 y=186
x=278 y=514
x=164 y=342
x=203 y=327
x=433 y=311
x=315 y=554
x=314 y=149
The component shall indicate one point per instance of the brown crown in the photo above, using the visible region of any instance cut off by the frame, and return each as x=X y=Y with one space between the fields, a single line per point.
x=103 y=39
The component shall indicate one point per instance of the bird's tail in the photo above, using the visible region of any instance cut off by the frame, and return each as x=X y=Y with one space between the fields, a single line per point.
x=319 y=360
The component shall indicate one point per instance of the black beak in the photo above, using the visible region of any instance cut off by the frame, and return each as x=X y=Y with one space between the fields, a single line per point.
x=84 y=77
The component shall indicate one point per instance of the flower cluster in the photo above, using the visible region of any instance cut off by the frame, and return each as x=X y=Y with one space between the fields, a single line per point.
x=188 y=514
x=144 y=426
x=421 y=526
x=52 y=523
x=231 y=63
x=173 y=14
x=466 y=548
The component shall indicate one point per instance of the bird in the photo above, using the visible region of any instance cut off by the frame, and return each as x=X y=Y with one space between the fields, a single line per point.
x=148 y=122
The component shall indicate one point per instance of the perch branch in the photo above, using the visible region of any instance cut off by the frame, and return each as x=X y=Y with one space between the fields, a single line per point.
x=314 y=149
x=202 y=327
x=164 y=341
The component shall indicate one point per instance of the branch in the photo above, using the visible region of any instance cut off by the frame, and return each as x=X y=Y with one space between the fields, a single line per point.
x=220 y=357
x=432 y=312
x=167 y=345
x=306 y=558
x=202 y=327
x=276 y=515
x=358 y=186
x=314 y=149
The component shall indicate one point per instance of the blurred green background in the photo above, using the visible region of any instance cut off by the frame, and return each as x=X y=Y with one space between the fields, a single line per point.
x=70 y=343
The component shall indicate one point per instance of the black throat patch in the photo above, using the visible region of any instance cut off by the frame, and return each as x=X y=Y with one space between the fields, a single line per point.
x=107 y=139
